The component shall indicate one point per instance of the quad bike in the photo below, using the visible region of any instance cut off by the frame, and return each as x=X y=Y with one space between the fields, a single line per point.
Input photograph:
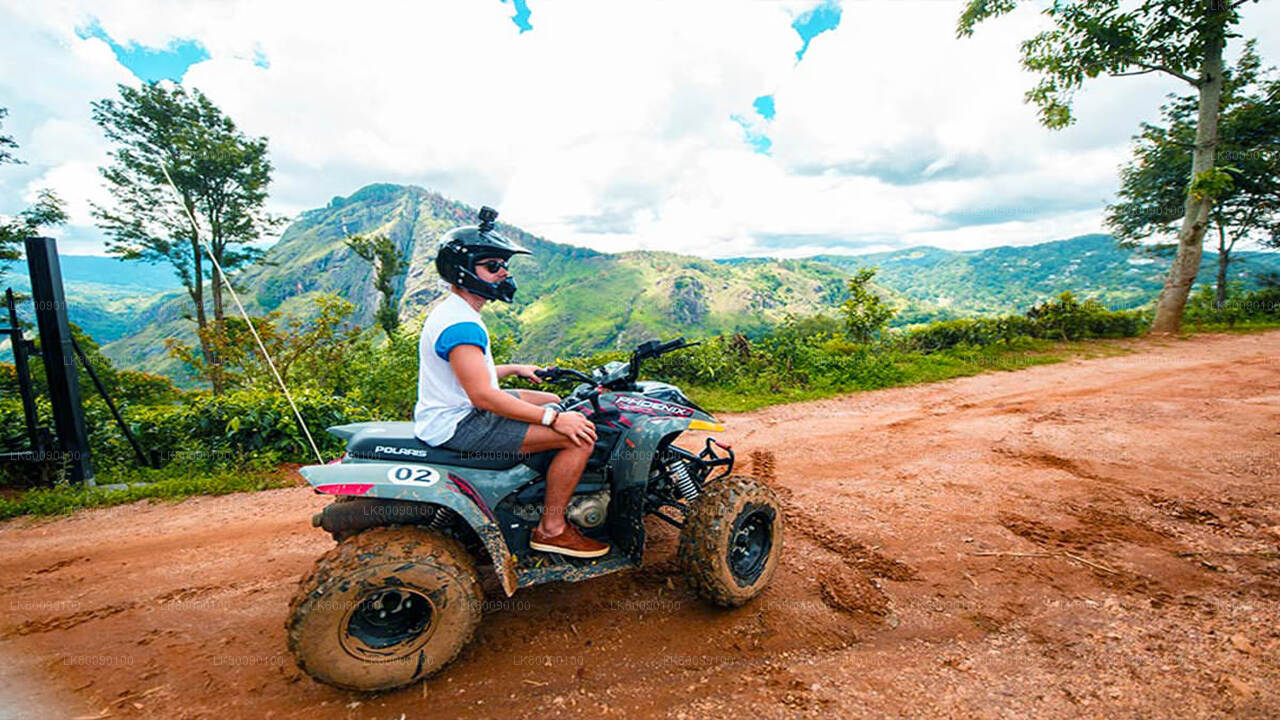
x=400 y=595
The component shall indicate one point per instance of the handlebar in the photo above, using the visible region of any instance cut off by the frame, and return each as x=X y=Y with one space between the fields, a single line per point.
x=646 y=350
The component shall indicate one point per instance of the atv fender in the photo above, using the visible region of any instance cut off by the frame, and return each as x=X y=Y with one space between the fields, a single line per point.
x=632 y=461
x=420 y=483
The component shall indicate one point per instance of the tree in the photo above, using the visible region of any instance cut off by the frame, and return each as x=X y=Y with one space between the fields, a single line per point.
x=1154 y=184
x=865 y=314
x=221 y=176
x=388 y=262
x=7 y=143
x=315 y=351
x=1180 y=38
x=48 y=210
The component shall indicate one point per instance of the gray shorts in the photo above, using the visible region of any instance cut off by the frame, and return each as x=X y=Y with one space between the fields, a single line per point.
x=481 y=431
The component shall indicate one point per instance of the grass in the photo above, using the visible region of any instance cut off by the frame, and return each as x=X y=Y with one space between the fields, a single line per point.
x=1240 y=327
x=911 y=369
x=169 y=483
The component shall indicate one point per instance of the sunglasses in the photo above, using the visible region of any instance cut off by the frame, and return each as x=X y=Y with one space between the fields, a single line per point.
x=493 y=266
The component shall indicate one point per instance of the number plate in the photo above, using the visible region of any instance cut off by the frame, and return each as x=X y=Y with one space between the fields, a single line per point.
x=413 y=475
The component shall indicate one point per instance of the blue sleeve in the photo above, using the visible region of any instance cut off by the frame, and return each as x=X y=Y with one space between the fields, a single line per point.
x=464 y=333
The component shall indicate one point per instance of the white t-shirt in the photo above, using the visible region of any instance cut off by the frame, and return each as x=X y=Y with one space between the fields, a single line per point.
x=442 y=403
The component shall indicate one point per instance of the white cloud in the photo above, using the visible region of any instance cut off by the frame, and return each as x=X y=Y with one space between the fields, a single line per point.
x=609 y=126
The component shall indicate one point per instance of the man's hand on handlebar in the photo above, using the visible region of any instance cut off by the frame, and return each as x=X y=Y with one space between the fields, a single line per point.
x=532 y=373
x=557 y=374
x=576 y=427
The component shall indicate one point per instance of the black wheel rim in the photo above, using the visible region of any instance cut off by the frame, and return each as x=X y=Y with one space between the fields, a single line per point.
x=388 y=623
x=750 y=544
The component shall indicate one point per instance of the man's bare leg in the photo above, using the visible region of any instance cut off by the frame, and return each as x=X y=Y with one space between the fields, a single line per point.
x=562 y=476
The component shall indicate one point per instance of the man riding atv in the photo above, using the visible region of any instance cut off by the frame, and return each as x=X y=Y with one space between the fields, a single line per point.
x=416 y=523
x=460 y=406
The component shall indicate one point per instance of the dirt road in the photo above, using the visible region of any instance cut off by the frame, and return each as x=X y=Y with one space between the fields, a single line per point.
x=1091 y=538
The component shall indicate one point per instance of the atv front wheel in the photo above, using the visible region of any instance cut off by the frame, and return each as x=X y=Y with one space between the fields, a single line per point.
x=731 y=540
x=384 y=608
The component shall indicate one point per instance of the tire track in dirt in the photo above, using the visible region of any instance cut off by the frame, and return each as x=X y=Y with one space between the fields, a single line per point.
x=845 y=585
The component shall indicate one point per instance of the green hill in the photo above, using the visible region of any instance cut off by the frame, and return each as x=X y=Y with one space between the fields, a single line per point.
x=571 y=299
x=104 y=294
x=947 y=283
x=575 y=300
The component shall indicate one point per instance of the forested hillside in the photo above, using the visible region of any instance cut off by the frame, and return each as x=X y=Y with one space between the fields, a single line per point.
x=575 y=300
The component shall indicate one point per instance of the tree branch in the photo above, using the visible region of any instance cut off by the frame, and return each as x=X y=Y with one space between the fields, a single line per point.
x=1181 y=76
x=1131 y=74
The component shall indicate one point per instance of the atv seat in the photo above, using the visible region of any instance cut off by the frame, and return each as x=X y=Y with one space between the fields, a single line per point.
x=395 y=442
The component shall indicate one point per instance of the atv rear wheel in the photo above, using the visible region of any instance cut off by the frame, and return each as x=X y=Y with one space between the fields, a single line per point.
x=731 y=540
x=384 y=608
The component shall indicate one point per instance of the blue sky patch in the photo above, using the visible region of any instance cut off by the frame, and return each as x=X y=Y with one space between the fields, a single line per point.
x=521 y=18
x=151 y=64
x=755 y=137
x=815 y=22
x=764 y=106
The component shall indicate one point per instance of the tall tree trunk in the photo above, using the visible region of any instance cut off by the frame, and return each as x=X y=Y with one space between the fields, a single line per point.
x=1224 y=259
x=216 y=288
x=1173 y=297
x=202 y=319
x=216 y=246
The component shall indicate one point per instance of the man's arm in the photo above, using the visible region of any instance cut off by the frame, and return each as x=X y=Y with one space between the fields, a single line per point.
x=468 y=364
x=524 y=371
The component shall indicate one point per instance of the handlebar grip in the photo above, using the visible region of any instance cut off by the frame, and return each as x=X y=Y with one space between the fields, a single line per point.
x=548 y=373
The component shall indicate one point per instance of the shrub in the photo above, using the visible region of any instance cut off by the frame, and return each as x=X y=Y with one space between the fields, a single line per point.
x=1068 y=319
x=975 y=332
x=1258 y=306
x=257 y=422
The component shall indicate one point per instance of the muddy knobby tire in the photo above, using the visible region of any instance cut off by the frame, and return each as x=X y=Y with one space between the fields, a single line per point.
x=708 y=535
x=399 y=559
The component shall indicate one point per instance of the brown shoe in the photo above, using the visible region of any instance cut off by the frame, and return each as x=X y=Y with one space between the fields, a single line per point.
x=569 y=542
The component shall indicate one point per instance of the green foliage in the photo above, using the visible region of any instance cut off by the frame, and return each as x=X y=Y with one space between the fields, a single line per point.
x=384 y=378
x=219 y=175
x=1064 y=318
x=207 y=441
x=388 y=262
x=1258 y=307
x=865 y=314
x=305 y=350
x=7 y=143
x=968 y=332
x=255 y=421
x=1212 y=184
x=1069 y=319
x=1088 y=38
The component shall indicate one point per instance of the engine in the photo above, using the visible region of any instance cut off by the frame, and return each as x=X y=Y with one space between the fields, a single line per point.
x=587 y=510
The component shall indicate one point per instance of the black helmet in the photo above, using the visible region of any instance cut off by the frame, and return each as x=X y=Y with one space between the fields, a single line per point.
x=462 y=246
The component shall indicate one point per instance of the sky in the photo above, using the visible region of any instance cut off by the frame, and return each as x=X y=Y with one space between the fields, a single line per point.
x=740 y=128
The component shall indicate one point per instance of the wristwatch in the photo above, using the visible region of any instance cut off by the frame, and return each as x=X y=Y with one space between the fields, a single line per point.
x=549 y=416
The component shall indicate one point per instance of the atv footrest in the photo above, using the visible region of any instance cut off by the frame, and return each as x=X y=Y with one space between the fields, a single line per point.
x=547 y=567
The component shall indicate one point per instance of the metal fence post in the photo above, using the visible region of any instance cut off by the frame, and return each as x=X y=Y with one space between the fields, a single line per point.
x=59 y=359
